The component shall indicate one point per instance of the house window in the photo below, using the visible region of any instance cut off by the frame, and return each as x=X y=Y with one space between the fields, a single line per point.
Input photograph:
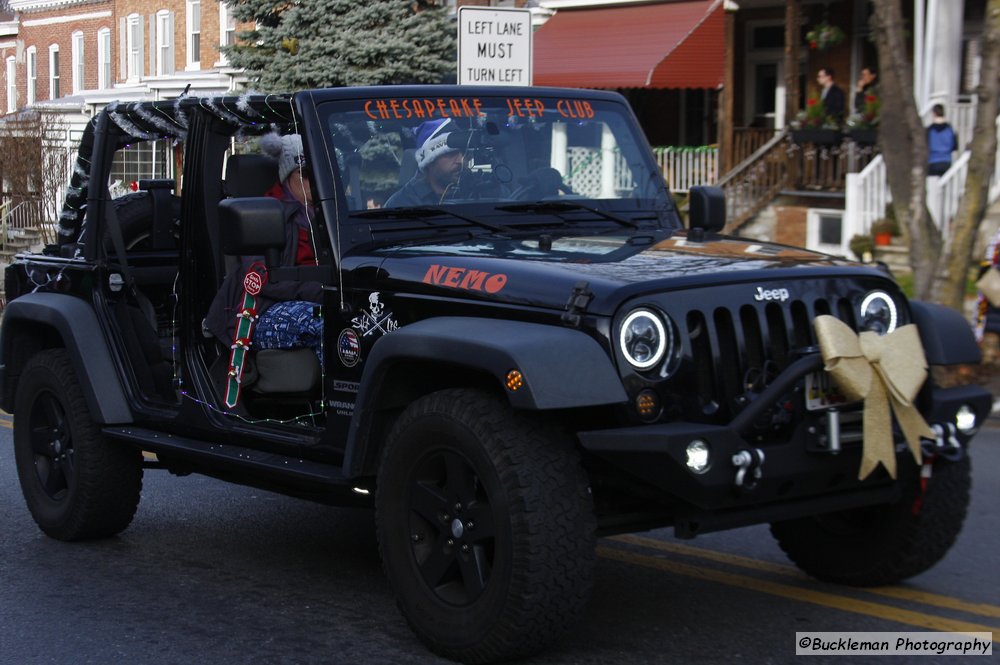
x=54 y=71
x=104 y=58
x=133 y=47
x=227 y=30
x=32 y=65
x=78 y=67
x=142 y=160
x=164 y=43
x=194 y=34
x=11 y=84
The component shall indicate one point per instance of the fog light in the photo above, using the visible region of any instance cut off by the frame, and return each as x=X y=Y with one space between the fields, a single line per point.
x=965 y=419
x=647 y=403
x=515 y=380
x=697 y=456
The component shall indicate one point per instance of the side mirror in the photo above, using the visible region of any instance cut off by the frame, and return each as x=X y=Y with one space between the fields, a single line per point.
x=707 y=209
x=252 y=226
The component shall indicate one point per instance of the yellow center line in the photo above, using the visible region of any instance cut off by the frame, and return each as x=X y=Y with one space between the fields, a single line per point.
x=899 y=593
x=843 y=603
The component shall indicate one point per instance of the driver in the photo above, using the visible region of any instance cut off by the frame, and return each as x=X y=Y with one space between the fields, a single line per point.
x=438 y=167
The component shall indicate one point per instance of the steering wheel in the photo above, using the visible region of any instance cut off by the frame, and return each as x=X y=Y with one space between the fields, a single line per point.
x=540 y=184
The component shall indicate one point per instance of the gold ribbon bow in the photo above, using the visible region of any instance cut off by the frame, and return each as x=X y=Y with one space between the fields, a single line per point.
x=883 y=371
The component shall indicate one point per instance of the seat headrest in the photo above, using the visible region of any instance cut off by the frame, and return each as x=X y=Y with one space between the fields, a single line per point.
x=250 y=175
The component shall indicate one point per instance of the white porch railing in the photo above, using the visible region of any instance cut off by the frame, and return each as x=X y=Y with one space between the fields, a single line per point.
x=866 y=197
x=683 y=167
x=4 y=215
x=22 y=219
x=687 y=166
x=945 y=192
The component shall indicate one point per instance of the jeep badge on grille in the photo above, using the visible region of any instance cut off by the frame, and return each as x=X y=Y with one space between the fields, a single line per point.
x=780 y=295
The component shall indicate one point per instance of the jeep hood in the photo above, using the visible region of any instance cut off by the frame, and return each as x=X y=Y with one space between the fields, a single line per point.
x=617 y=267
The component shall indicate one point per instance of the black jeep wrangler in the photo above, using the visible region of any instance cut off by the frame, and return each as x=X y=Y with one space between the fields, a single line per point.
x=540 y=355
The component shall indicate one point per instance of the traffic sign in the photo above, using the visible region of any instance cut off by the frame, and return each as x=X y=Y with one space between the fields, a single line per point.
x=494 y=46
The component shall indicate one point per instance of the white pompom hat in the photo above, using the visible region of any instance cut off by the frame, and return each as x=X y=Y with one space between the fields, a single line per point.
x=287 y=150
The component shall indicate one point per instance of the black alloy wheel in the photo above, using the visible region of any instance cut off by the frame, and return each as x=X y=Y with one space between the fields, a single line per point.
x=76 y=484
x=485 y=525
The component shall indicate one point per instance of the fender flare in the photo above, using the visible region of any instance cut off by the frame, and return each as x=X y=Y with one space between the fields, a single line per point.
x=76 y=323
x=562 y=368
x=945 y=334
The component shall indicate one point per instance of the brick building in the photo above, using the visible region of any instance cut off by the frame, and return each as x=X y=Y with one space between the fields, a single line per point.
x=85 y=53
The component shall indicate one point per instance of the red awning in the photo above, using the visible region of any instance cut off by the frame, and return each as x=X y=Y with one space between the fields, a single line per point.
x=665 y=45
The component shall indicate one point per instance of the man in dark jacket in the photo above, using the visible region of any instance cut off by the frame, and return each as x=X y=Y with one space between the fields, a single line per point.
x=832 y=96
x=439 y=166
x=286 y=312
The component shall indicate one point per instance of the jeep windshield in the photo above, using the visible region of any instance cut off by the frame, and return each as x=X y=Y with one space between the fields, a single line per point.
x=498 y=160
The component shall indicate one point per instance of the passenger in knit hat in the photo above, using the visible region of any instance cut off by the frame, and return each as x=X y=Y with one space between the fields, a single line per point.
x=439 y=164
x=287 y=150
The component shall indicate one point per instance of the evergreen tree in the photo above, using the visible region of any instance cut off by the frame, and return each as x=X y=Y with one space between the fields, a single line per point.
x=329 y=43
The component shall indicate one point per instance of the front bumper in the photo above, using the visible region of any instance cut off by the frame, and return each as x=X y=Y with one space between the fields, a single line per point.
x=805 y=473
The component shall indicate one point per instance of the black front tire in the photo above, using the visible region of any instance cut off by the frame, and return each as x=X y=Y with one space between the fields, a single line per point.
x=77 y=485
x=485 y=525
x=884 y=544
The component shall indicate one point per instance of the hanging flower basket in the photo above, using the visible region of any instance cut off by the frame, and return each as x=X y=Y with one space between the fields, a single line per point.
x=824 y=36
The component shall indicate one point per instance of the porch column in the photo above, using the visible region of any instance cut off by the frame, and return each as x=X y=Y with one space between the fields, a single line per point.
x=793 y=17
x=944 y=50
x=726 y=104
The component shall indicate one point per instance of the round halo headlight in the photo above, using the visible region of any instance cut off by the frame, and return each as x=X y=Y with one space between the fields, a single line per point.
x=878 y=313
x=643 y=338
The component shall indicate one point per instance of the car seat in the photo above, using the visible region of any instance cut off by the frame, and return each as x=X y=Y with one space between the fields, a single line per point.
x=270 y=371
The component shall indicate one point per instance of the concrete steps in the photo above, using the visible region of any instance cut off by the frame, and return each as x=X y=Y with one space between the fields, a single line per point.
x=896 y=256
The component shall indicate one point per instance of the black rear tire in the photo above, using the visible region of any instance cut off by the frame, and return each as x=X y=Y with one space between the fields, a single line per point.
x=485 y=525
x=77 y=485
x=884 y=544
x=135 y=216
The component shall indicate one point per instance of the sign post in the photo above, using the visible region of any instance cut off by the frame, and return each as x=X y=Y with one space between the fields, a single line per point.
x=494 y=46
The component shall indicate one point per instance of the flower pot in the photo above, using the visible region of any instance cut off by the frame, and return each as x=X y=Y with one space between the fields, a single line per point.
x=883 y=239
x=866 y=136
x=817 y=136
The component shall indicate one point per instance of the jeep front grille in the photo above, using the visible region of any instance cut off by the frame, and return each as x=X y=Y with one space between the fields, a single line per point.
x=738 y=351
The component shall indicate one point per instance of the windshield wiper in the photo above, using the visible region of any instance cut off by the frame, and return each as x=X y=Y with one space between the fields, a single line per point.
x=424 y=213
x=555 y=207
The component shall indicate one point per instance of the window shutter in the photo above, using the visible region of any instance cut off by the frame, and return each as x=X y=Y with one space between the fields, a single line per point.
x=122 y=49
x=152 y=44
x=140 y=50
x=170 y=37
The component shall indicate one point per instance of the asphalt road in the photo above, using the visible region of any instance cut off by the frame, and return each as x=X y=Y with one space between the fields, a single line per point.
x=214 y=573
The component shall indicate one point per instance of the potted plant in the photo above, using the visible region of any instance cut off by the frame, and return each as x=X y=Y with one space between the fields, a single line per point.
x=862 y=245
x=814 y=125
x=862 y=127
x=883 y=230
